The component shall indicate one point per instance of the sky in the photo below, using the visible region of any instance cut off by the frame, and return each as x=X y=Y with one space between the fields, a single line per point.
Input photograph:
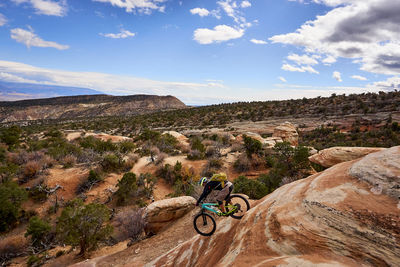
x=203 y=51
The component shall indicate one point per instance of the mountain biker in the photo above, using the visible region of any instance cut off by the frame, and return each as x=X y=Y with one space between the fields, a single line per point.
x=225 y=189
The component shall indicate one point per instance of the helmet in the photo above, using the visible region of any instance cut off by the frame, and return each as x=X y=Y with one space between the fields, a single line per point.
x=203 y=181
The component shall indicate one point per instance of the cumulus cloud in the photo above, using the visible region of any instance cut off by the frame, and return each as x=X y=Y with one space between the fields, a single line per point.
x=282 y=79
x=141 y=6
x=231 y=9
x=121 y=35
x=220 y=33
x=358 y=77
x=46 y=7
x=364 y=30
x=202 y=12
x=245 y=4
x=3 y=20
x=302 y=60
x=337 y=76
x=292 y=68
x=255 y=41
x=29 y=38
x=390 y=84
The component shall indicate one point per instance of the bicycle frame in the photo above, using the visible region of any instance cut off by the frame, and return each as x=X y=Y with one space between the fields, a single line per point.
x=208 y=206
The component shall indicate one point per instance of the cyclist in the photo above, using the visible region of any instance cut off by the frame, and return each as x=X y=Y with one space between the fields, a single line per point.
x=225 y=189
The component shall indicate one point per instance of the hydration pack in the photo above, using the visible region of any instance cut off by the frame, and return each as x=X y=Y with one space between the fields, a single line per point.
x=220 y=177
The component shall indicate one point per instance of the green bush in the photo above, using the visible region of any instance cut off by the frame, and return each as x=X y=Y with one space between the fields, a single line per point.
x=11 y=198
x=39 y=231
x=127 y=188
x=252 y=188
x=11 y=136
x=84 y=225
x=38 y=193
x=94 y=177
x=251 y=145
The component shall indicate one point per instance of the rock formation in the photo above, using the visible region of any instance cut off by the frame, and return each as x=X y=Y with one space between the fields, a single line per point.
x=287 y=132
x=85 y=106
x=334 y=155
x=161 y=213
x=333 y=218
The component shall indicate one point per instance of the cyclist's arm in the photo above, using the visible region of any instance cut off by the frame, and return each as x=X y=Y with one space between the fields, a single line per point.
x=207 y=190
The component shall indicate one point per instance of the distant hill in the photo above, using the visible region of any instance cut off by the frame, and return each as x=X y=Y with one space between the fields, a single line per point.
x=17 y=91
x=85 y=106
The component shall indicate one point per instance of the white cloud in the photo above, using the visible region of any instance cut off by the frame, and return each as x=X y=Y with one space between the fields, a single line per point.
x=390 y=84
x=358 y=77
x=329 y=60
x=337 y=76
x=142 y=6
x=231 y=9
x=292 y=68
x=255 y=41
x=202 y=12
x=282 y=79
x=220 y=33
x=3 y=20
x=302 y=60
x=364 y=30
x=121 y=35
x=47 y=7
x=245 y=4
x=29 y=38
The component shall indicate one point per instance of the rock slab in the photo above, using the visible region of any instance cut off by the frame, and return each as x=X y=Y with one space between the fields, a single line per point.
x=334 y=155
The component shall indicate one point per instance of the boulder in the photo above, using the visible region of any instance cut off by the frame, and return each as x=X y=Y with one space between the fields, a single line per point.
x=334 y=155
x=331 y=218
x=271 y=141
x=287 y=132
x=161 y=213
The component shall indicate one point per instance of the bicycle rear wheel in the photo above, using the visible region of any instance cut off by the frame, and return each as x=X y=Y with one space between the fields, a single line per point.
x=241 y=203
x=204 y=224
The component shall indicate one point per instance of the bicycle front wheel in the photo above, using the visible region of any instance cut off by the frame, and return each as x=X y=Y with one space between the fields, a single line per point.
x=241 y=204
x=204 y=224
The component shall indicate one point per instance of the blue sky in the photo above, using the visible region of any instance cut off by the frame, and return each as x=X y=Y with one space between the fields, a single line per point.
x=203 y=51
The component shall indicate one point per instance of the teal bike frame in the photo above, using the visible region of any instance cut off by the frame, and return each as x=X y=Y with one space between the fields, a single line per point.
x=209 y=207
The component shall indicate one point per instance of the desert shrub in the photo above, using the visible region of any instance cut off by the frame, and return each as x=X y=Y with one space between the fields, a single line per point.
x=11 y=136
x=160 y=158
x=39 y=232
x=31 y=170
x=196 y=144
x=126 y=146
x=36 y=260
x=181 y=178
x=146 y=183
x=127 y=188
x=251 y=145
x=68 y=161
x=213 y=151
x=236 y=147
x=242 y=164
x=113 y=163
x=3 y=152
x=39 y=192
x=252 y=188
x=167 y=143
x=11 y=198
x=8 y=171
x=84 y=225
x=93 y=178
x=149 y=135
x=132 y=224
x=271 y=180
x=99 y=145
x=195 y=155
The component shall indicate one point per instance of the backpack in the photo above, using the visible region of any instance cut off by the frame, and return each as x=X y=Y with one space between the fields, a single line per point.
x=220 y=177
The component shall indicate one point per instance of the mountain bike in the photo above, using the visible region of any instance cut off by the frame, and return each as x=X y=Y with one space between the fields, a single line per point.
x=236 y=206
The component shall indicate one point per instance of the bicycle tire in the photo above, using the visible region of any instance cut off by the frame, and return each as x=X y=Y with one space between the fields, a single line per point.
x=204 y=218
x=243 y=205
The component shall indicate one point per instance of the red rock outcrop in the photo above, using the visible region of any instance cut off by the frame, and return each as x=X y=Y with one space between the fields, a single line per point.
x=161 y=213
x=287 y=132
x=334 y=155
x=333 y=218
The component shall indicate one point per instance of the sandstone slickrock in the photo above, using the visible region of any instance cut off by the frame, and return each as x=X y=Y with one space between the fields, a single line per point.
x=161 y=213
x=287 y=132
x=329 y=219
x=334 y=155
